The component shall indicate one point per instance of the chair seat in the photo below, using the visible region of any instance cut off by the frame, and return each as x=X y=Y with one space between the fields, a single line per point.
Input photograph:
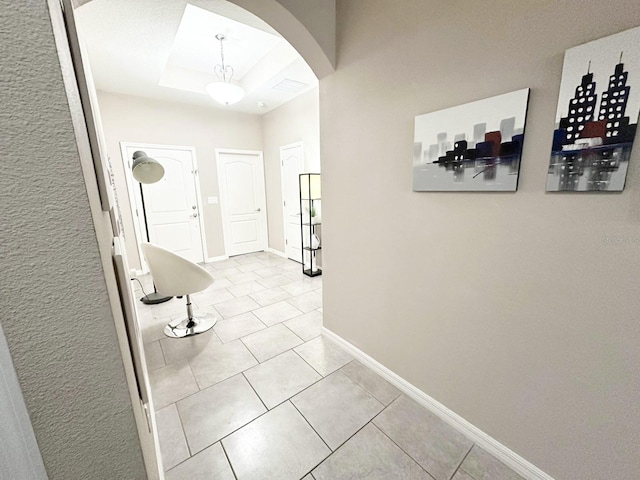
x=174 y=275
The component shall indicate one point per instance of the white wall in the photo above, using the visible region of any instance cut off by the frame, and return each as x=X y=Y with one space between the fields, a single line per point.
x=134 y=119
x=513 y=310
x=296 y=121
x=54 y=306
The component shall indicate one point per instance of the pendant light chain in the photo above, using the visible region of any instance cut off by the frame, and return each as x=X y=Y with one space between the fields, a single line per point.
x=222 y=70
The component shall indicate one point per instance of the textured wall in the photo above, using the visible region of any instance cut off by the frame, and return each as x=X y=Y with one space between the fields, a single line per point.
x=295 y=121
x=134 y=119
x=53 y=301
x=513 y=309
x=19 y=455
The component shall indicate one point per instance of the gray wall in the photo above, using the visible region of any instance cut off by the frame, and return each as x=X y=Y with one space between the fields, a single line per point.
x=309 y=26
x=513 y=310
x=295 y=121
x=134 y=119
x=53 y=300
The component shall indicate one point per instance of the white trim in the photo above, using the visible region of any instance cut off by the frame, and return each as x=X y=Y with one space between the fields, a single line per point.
x=488 y=443
x=276 y=252
x=223 y=196
x=282 y=188
x=134 y=193
x=196 y=179
x=216 y=259
x=134 y=203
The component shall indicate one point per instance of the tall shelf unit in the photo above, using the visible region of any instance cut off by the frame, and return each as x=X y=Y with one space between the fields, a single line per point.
x=310 y=227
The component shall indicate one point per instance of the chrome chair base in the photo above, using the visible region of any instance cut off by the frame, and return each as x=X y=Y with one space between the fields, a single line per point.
x=185 y=327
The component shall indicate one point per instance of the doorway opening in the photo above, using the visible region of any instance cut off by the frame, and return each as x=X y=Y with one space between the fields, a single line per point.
x=241 y=277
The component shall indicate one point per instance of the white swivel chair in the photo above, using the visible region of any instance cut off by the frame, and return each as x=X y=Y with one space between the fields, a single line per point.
x=177 y=276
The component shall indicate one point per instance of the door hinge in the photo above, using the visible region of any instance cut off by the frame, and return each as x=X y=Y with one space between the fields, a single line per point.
x=285 y=203
x=137 y=213
x=195 y=172
x=286 y=242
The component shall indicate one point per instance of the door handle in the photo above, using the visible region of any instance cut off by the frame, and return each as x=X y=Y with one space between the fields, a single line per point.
x=258 y=209
x=194 y=215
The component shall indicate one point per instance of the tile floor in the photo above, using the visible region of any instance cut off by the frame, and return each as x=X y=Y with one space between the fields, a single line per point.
x=265 y=396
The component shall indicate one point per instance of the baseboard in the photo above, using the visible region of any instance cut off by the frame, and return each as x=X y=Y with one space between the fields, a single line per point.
x=276 y=252
x=488 y=443
x=216 y=259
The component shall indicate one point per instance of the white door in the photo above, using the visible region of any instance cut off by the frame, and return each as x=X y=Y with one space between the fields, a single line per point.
x=242 y=201
x=169 y=210
x=292 y=165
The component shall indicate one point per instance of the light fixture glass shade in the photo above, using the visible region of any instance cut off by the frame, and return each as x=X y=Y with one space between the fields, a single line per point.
x=146 y=169
x=225 y=93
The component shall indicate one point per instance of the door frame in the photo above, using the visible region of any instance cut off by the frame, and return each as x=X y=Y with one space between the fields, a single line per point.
x=135 y=199
x=282 y=182
x=223 y=198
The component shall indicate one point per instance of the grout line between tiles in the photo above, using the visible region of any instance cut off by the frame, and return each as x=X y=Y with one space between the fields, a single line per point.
x=393 y=441
x=247 y=347
x=316 y=432
x=255 y=391
x=258 y=318
x=332 y=451
x=301 y=339
x=233 y=472
x=462 y=461
x=184 y=433
x=294 y=350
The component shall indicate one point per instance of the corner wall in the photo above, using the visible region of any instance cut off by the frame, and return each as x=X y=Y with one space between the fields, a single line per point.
x=133 y=119
x=54 y=306
x=295 y=121
x=516 y=311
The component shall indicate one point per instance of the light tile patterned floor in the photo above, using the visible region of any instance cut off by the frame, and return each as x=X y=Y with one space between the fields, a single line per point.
x=264 y=396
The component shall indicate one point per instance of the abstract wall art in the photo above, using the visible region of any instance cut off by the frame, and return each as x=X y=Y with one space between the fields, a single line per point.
x=472 y=147
x=597 y=115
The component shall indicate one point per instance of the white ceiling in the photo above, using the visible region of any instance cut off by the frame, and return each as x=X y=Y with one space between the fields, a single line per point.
x=166 y=50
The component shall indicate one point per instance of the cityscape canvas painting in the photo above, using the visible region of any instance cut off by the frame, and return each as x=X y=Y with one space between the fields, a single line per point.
x=472 y=147
x=597 y=115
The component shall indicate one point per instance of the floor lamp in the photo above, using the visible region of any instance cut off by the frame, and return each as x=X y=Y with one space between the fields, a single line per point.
x=148 y=170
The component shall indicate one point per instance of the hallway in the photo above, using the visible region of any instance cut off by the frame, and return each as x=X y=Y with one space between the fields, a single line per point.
x=265 y=396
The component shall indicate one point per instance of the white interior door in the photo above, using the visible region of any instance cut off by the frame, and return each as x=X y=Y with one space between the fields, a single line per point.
x=170 y=209
x=292 y=165
x=242 y=201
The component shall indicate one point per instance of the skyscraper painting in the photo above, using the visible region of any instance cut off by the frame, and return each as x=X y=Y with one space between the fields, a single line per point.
x=597 y=115
x=472 y=147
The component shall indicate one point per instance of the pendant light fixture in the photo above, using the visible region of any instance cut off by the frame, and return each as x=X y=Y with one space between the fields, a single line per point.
x=222 y=90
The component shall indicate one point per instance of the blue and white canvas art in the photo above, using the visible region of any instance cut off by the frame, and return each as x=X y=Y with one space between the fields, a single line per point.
x=597 y=115
x=472 y=147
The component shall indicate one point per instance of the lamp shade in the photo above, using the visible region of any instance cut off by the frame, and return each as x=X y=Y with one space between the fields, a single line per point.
x=146 y=169
x=225 y=93
x=310 y=187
